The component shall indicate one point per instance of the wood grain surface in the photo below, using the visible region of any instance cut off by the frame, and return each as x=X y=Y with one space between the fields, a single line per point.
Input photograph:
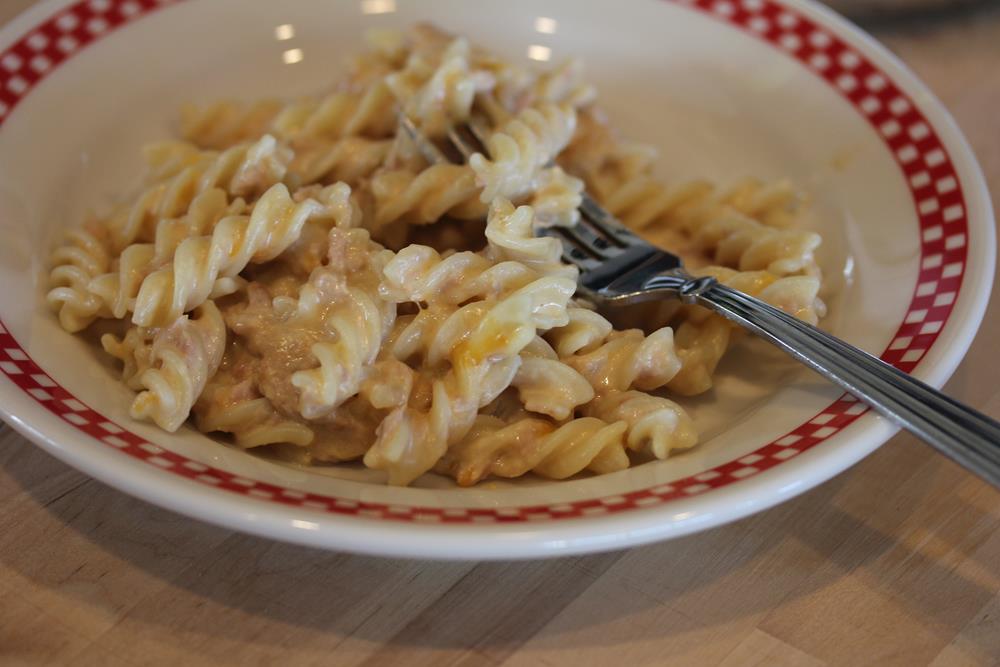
x=895 y=562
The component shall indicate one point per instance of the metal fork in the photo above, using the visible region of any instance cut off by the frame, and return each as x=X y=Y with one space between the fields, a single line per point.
x=618 y=268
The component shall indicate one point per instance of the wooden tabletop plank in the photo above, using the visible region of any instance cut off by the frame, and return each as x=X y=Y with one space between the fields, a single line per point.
x=895 y=562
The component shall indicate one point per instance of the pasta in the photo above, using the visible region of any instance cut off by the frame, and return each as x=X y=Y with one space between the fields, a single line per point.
x=296 y=277
x=424 y=197
x=223 y=124
x=520 y=148
x=438 y=97
x=200 y=262
x=413 y=439
x=545 y=385
x=627 y=359
x=241 y=170
x=510 y=236
x=536 y=445
x=746 y=229
x=653 y=424
x=232 y=403
x=367 y=112
x=557 y=198
x=183 y=356
x=346 y=160
x=134 y=351
x=345 y=298
x=84 y=256
x=118 y=289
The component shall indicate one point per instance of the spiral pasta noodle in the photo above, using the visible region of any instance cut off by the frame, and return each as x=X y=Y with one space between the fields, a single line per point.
x=564 y=84
x=83 y=257
x=702 y=339
x=510 y=236
x=424 y=197
x=437 y=97
x=410 y=441
x=421 y=274
x=653 y=424
x=188 y=202
x=236 y=241
x=722 y=228
x=557 y=198
x=776 y=204
x=183 y=356
x=166 y=158
x=545 y=385
x=627 y=359
x=118 y=289
x=796 y=295
x=339 y=114
x=223 y=124
x=318 y=347
x=551 y=450
x=429 y=336
x=242 y=170
x=134 y=350
x=700 y=345
x=355 y=318
x=519 y=150
x=347 y=160
x=342 y=361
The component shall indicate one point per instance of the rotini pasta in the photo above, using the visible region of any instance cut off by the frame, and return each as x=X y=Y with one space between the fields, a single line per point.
x=564 y=84
x=118 y=289
x=191 y=199
x=134 y=351
x=557 y=198
x=775 y=204
x=746 y=229
x=223 y=124
x=550 y=387
x=654 y=424
x=235 y=241
x=702 y=338
x=84 y=256
x=519 y=150
x=296 y=277
x=166 y=158
x=183 y=356
x=345 y=299
x=626 y=359
x=422 y=198
x=421 y=274
x=345 y=160
x=700 y=345
x=243 y=170
x=438 y=97
x=534 y=445
x=510 y=236
x=340 y=114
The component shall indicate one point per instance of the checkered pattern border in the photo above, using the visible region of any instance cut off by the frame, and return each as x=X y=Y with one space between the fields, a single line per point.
x=919 y=152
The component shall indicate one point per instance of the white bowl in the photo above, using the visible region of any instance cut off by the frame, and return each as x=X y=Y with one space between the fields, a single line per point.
x=726 y=88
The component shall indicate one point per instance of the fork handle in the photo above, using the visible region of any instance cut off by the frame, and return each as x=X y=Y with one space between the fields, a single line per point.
x=969 y=437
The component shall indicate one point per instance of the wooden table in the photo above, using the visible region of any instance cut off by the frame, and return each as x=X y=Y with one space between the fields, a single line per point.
x=895 y=562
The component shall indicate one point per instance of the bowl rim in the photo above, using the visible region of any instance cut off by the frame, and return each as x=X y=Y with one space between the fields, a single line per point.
x=846 y=431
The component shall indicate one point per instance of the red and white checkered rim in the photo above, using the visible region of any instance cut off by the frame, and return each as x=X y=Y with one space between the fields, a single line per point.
x=920 y=153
